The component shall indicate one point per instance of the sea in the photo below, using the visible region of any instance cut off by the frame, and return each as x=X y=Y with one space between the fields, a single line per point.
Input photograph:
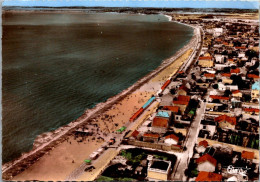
x=56 y=65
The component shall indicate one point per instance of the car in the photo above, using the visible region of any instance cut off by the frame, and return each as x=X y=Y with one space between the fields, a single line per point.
x=90 y=168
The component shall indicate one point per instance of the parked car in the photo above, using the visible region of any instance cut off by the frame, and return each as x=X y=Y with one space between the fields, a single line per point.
x=90 y=168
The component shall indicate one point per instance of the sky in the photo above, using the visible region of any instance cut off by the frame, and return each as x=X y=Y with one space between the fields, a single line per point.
x=241 y=4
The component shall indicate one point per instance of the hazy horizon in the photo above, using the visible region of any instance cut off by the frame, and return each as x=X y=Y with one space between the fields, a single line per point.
x=221 y=4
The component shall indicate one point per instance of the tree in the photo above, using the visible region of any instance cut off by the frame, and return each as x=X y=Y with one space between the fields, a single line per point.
x=246 y=97
x=215 y=86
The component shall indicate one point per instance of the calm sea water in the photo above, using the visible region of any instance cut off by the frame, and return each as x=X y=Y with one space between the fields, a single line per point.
x=55 y=66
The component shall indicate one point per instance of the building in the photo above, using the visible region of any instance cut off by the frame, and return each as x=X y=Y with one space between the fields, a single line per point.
x=158 y=170
x=235 y=71
x=183 y=90
x=206 y=163
x=225 y=121
x=182 y=102
x=150 y=137
x=219 y=58
x=209 y=76
x=171 y=139
x=255 y=91
x=173 y=109
x=251 y=111
x=202 y=146
x=217 y=32
x=160 y=124
x=247 y=155
x=222 y=99
x=253 y=76
x=237 y=94
x=206 y=62
x=208 y=176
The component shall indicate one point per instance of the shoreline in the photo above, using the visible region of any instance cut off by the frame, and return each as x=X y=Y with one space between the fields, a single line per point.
x=59 y=135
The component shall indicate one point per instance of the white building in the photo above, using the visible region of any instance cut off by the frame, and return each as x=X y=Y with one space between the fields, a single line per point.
x=217 y=32
x=206 y=163
x=219 y=58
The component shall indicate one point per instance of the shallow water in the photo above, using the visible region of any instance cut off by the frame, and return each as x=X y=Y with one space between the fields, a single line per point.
x=55 y=66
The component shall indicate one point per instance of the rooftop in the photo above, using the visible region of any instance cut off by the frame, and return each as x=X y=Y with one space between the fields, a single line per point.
x=205 y=158
x=158 y=164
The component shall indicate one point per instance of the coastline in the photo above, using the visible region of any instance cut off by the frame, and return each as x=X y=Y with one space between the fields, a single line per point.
x=52 y=139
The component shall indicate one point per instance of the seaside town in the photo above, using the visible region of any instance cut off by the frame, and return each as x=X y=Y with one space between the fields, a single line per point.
x=201 y=124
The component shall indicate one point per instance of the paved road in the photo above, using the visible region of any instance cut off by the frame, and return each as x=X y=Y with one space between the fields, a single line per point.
x=191 y=140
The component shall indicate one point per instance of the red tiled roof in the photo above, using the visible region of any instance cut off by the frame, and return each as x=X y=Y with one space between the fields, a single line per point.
x=236 y=91
x=203 y=143
x=209 y=75
x=251 y=110
x=184 y=98
x=160 y=122
x=205 y=158
x=181 y=72
x=219 y=97
x=205 y=58
x=180 y=102
x=183 y=87
x=240 y=47
x=237 y=70
x=172 y=108
x=151 y=135
x=218 y=40
x=247 y=155
x=252 y=76
x=231 y=60
x=226 y=74
x=135 y=133
x=172 y=136
x=208 y=176
x=225 y=43
x=231 y=120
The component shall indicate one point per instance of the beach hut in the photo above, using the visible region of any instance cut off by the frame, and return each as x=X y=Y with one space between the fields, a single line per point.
x=120 y=130
x=87 y=161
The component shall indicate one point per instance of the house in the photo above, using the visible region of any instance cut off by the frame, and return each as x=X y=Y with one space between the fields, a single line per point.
x=251 y=111
x=183 y=90
x=202 y=146
x=206 y=62
x=237 y=94
x=217 y=32
x=208 y=176
x=150 y=137
x=164 y=114
x=226 y=75
x=206 y=163
x=160 y=124
x=158 y=170
x=209 y=76
x=235 y=71
x=255 y=91
x=173 y=109
x=223 y=87
x=247 y=155
x=182 y=102
x=219 y=58
x=135 y=134
x=225 y=121
x=222 y=99
x=171 y=139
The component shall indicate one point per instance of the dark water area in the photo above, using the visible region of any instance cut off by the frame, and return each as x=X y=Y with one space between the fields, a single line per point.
x=56 y=65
